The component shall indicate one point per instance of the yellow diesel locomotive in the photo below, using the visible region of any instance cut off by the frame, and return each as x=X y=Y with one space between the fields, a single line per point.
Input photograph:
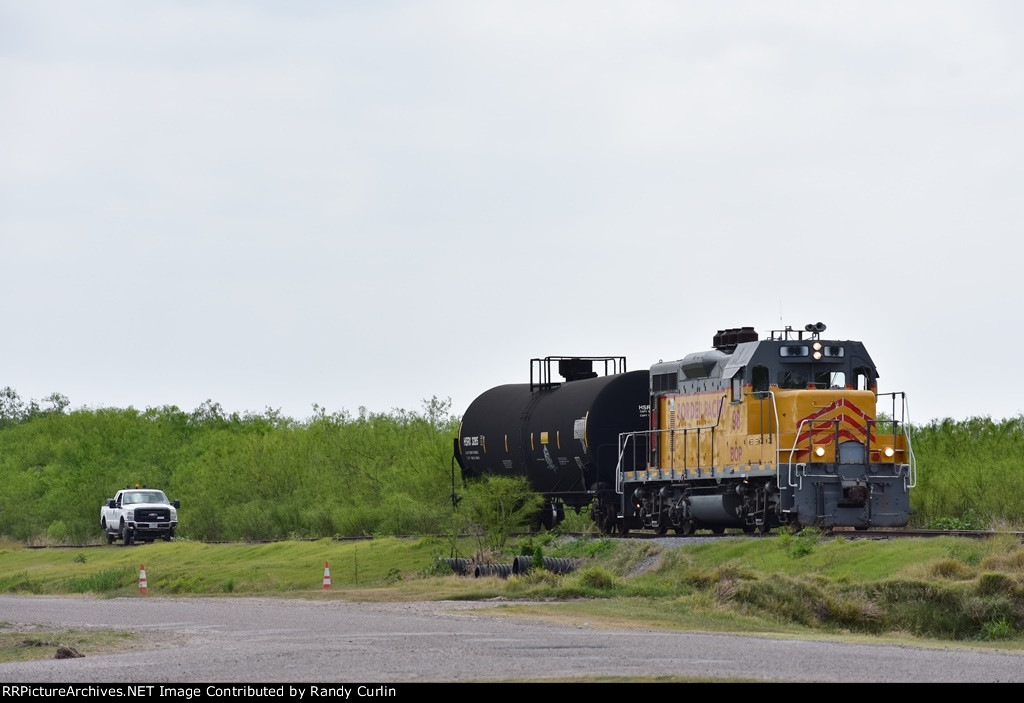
x=751 y=434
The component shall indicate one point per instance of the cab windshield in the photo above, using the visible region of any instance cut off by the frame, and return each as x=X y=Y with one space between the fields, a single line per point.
x=143 y=497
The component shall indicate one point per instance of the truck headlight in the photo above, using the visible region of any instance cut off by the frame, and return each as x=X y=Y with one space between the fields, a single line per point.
x=130 y=516
x=174 y=515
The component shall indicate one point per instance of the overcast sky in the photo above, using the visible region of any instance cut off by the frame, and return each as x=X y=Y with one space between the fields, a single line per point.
x=368 y=204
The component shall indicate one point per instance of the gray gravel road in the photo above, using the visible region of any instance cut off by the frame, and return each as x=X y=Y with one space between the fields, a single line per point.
x=264 y=640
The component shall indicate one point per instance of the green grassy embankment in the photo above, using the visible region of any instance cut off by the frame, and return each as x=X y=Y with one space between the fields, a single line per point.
x=937 y=589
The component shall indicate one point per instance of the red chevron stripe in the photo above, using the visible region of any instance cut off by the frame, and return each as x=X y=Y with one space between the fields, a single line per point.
x=848 y=414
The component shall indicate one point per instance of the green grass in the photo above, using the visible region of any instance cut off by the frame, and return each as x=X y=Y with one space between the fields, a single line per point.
x=27 y=643
x=939 y=590
x=183 y=567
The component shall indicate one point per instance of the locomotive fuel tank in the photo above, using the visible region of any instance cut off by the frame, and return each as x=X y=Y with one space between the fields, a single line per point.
x=562 y=437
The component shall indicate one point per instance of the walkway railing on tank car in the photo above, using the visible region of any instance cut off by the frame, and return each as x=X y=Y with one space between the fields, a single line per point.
x=625 y=438
x=541 y=375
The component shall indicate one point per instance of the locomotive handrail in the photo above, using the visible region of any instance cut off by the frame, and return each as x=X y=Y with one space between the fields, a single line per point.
x=625 y=437
x=801 y=468
x=775 y=411
x=911 y=480
x=775 y=434
x=789 y=469
x=698 y=428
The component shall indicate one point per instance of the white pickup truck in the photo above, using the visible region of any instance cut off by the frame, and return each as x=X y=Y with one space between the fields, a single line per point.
x=139 y=515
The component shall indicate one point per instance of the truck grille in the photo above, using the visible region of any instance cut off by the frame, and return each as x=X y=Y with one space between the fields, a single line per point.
x=152 y=515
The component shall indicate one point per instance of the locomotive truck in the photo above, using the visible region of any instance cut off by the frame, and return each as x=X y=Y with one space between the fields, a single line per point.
x=752 y=433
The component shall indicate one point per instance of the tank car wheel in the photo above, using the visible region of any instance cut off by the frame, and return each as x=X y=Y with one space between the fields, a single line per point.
x=764 y=528
x=547 y=519
x=718 y=530
x=606 y=521
x=662 y=528
x=748 y=529
x=861 y=528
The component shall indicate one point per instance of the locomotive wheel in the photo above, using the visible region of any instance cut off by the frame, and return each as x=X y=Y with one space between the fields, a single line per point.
x=686 y=528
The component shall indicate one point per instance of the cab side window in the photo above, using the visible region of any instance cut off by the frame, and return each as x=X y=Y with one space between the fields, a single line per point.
x=759 y=379
x=862 y=379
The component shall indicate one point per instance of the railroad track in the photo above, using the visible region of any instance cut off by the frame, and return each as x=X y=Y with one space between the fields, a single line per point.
x=878 y=534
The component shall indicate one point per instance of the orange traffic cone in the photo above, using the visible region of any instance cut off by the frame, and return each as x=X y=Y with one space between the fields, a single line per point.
x=143 y=588
x=327 y=576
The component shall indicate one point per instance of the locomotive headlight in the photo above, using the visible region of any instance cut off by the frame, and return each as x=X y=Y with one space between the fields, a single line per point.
x=817 y=350
x=819 y=451
x=888 y=452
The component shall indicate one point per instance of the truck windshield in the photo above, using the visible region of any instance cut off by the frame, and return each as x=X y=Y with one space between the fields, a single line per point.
x=144 y=497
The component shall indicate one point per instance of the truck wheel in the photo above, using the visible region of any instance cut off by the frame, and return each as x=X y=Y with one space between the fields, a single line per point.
x=126 y=536
x=110 y=537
